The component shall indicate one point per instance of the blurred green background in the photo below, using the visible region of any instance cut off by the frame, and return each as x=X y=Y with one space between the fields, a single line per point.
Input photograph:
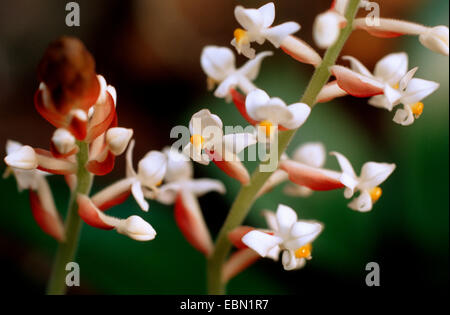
x=406 y=233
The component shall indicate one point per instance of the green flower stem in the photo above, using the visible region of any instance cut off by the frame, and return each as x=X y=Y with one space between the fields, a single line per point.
x=247 y=194
x=66 y=250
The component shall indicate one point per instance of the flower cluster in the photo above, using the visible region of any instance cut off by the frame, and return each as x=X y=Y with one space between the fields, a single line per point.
x=82 y=107
x=87 y=139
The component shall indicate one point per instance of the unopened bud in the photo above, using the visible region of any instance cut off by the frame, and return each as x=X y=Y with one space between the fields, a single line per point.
x=136 y=228
x=23 y=158
x=63 y=141
x=118 y=139
x=436 y=39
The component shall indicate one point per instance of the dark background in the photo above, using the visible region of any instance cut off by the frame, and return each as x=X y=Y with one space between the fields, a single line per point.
x=149 y=50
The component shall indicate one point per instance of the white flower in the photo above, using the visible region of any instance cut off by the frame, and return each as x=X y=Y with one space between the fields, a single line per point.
x=413 y=92
x=291 y=237
x=372 y=175
x=219 y=65
x=257 y=28
x=388 y=71
x=151 y=170
x=208 y=143
x=179 y=176
x=273 y=112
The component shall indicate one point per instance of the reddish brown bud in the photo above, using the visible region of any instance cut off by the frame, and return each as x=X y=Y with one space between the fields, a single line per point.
x=68 y=70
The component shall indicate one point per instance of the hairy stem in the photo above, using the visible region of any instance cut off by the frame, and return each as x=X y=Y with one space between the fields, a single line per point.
x=66 y=250
x=247 y=194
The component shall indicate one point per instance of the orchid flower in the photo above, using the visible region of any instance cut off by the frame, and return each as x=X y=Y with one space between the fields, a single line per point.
x=360 y=82
x=310 y=154
x=434 y=38
x=372 y=175
x=413 y=92
x=208 y=143
x=327 y=26
x=41 y=198
x=272 y=113
x=150 y=174
x=287 y=235
x=219 y=65
x=181 y=189
x=257 y=24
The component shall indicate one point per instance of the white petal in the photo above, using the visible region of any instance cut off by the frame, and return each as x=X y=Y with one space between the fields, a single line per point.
x=236 y=142
x=152 y=168
x=250 y=19
x=201 y=186
x=417 y=90
x=286 y=218
x=357 y=66
x=217 y=62
x=251 y=68
x=392 y=68
x=203 y=119
x=178 y=165
x=406 y=78
x=261 y=242
x=362 y=203
x=278 y=33
x=300 y=112
x=345 y=164
x=268 y=13
x=290 y=262
x=271 y=220
x=254 y=100
x=138 y=195
x=404 y=117
x=302 y=233
x=310 y=153
x=373 y=174
x=223 y=90
x=392 y=97
x=130 y=172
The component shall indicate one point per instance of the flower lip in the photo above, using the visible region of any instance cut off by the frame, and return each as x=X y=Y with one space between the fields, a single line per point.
x=22 y=158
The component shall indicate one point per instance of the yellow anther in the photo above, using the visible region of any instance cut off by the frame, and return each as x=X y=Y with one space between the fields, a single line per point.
x=240 y=35
x=375 y=193
x=159 y=183
x=267 y=127
x=417 y=109
x=304 y=251
x=397 y=86
x=197 y=140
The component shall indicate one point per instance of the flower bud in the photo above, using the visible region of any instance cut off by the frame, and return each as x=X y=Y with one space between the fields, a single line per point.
x=136 y=228
x=63 y=141
x=327 y=27
x=23 y=158
x=117 y=139
x=436 y=39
